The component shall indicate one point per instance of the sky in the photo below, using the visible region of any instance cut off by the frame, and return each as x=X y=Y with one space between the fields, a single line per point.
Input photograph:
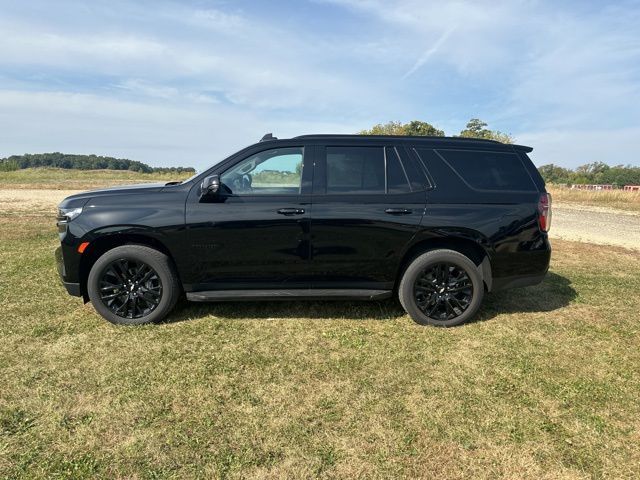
x=186 y=83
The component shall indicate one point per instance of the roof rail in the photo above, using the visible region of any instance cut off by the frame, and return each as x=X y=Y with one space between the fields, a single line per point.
x=406 y=137
x=268 y=136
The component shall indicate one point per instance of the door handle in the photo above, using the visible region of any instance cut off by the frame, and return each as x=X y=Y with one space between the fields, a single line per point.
x=291 y=211
x=398 y=211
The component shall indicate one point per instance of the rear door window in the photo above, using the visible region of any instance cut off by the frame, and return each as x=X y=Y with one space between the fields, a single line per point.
x=489 y=170
x=355 y=170
x=363 y=170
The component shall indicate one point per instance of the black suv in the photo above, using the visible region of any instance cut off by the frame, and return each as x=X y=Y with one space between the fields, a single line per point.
x=436 y=221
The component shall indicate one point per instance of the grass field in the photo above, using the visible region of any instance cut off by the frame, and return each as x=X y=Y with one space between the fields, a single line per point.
x=618 y=199
x=63 y=179
x=544 y=385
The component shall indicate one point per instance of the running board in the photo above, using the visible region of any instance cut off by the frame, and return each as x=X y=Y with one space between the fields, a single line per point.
x=293 y=294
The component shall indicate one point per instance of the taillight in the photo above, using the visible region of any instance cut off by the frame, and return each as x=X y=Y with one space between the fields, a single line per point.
x=544 y=212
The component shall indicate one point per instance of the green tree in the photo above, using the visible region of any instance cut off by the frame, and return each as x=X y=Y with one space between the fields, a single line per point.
x=415 y=127
x=555 y=174
x=592 y=173
x=621 y=175
x=418 y=128
x=8 y=165
x=389 y=128
x=476 y=128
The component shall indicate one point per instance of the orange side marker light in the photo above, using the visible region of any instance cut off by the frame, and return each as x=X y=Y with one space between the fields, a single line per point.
x=82 y=247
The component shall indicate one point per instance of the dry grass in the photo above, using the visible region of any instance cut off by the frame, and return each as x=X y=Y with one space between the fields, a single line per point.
x=63 y=179
x=617 y=199
x=544 y=385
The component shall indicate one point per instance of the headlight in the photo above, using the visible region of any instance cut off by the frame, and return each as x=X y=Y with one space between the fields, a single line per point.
x=68 y=214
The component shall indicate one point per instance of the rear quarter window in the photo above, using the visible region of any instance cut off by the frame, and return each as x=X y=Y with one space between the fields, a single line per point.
x=397 y=180
x=486 y=170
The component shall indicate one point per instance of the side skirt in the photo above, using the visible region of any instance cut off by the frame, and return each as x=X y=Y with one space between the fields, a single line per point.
x=293 y=294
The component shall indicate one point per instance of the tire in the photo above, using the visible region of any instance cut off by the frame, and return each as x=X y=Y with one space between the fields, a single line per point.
x=424 y=291
x=115 y=295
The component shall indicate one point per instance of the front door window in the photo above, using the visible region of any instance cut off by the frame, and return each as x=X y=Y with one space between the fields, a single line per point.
x=272 y=172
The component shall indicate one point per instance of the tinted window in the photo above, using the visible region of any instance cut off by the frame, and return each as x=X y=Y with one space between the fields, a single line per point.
x=275 y=172
x=397 y=181
x=355 y=170
x=489 y=170
x=415 y=170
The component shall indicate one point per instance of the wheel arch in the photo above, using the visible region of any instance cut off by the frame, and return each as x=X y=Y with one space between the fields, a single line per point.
x=103 y=244
x=473 y=249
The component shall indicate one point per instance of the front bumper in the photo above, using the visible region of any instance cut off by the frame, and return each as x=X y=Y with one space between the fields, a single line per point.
x=73 y=288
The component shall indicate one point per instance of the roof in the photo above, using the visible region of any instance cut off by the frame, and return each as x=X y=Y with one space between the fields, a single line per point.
x=467 y=141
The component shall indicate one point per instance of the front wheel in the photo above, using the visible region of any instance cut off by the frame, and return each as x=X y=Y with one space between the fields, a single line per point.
x=133 y=285
x=441 y=287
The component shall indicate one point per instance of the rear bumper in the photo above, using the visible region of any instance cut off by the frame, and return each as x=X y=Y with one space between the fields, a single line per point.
x=521 y=269
x=516 y=281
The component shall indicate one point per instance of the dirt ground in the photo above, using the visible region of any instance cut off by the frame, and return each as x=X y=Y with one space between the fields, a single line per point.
x=591 y=224
x=570 y=221
x=23 y=201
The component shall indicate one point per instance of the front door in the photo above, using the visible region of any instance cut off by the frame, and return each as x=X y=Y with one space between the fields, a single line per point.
x=254 y=233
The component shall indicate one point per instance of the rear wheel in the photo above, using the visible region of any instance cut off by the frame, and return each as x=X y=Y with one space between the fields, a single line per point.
x=133 y=285
x=441 y=287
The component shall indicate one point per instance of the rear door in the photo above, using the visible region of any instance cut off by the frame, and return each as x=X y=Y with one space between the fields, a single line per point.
x=366 y=208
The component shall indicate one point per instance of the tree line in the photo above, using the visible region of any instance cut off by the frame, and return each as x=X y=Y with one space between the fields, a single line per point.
x=82 y=162
x=597 y=173
x=592 y=173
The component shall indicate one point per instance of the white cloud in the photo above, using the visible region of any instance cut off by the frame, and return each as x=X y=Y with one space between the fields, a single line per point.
x=218 y=20
x=529 y=67
x=582 y=74
x=154 y=77
x=159 y=133
x=19 y=46
x=285 y=76
x=485 y=32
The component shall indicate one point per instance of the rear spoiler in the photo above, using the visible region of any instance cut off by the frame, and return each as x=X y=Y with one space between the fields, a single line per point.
x=523 y=148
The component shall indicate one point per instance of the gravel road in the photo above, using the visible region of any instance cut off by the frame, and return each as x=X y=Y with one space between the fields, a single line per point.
x=596 y=225
x=570 y=222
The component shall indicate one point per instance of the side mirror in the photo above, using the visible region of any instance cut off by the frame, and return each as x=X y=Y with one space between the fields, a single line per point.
x=211 y=185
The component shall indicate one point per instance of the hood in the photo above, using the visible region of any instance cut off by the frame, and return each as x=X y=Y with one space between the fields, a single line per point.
x=80 y=199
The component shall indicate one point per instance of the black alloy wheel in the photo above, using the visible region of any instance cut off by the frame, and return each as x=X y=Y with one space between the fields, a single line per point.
x=133 y=285
x=444 y=291
x=441 y=287
x=130 y=288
